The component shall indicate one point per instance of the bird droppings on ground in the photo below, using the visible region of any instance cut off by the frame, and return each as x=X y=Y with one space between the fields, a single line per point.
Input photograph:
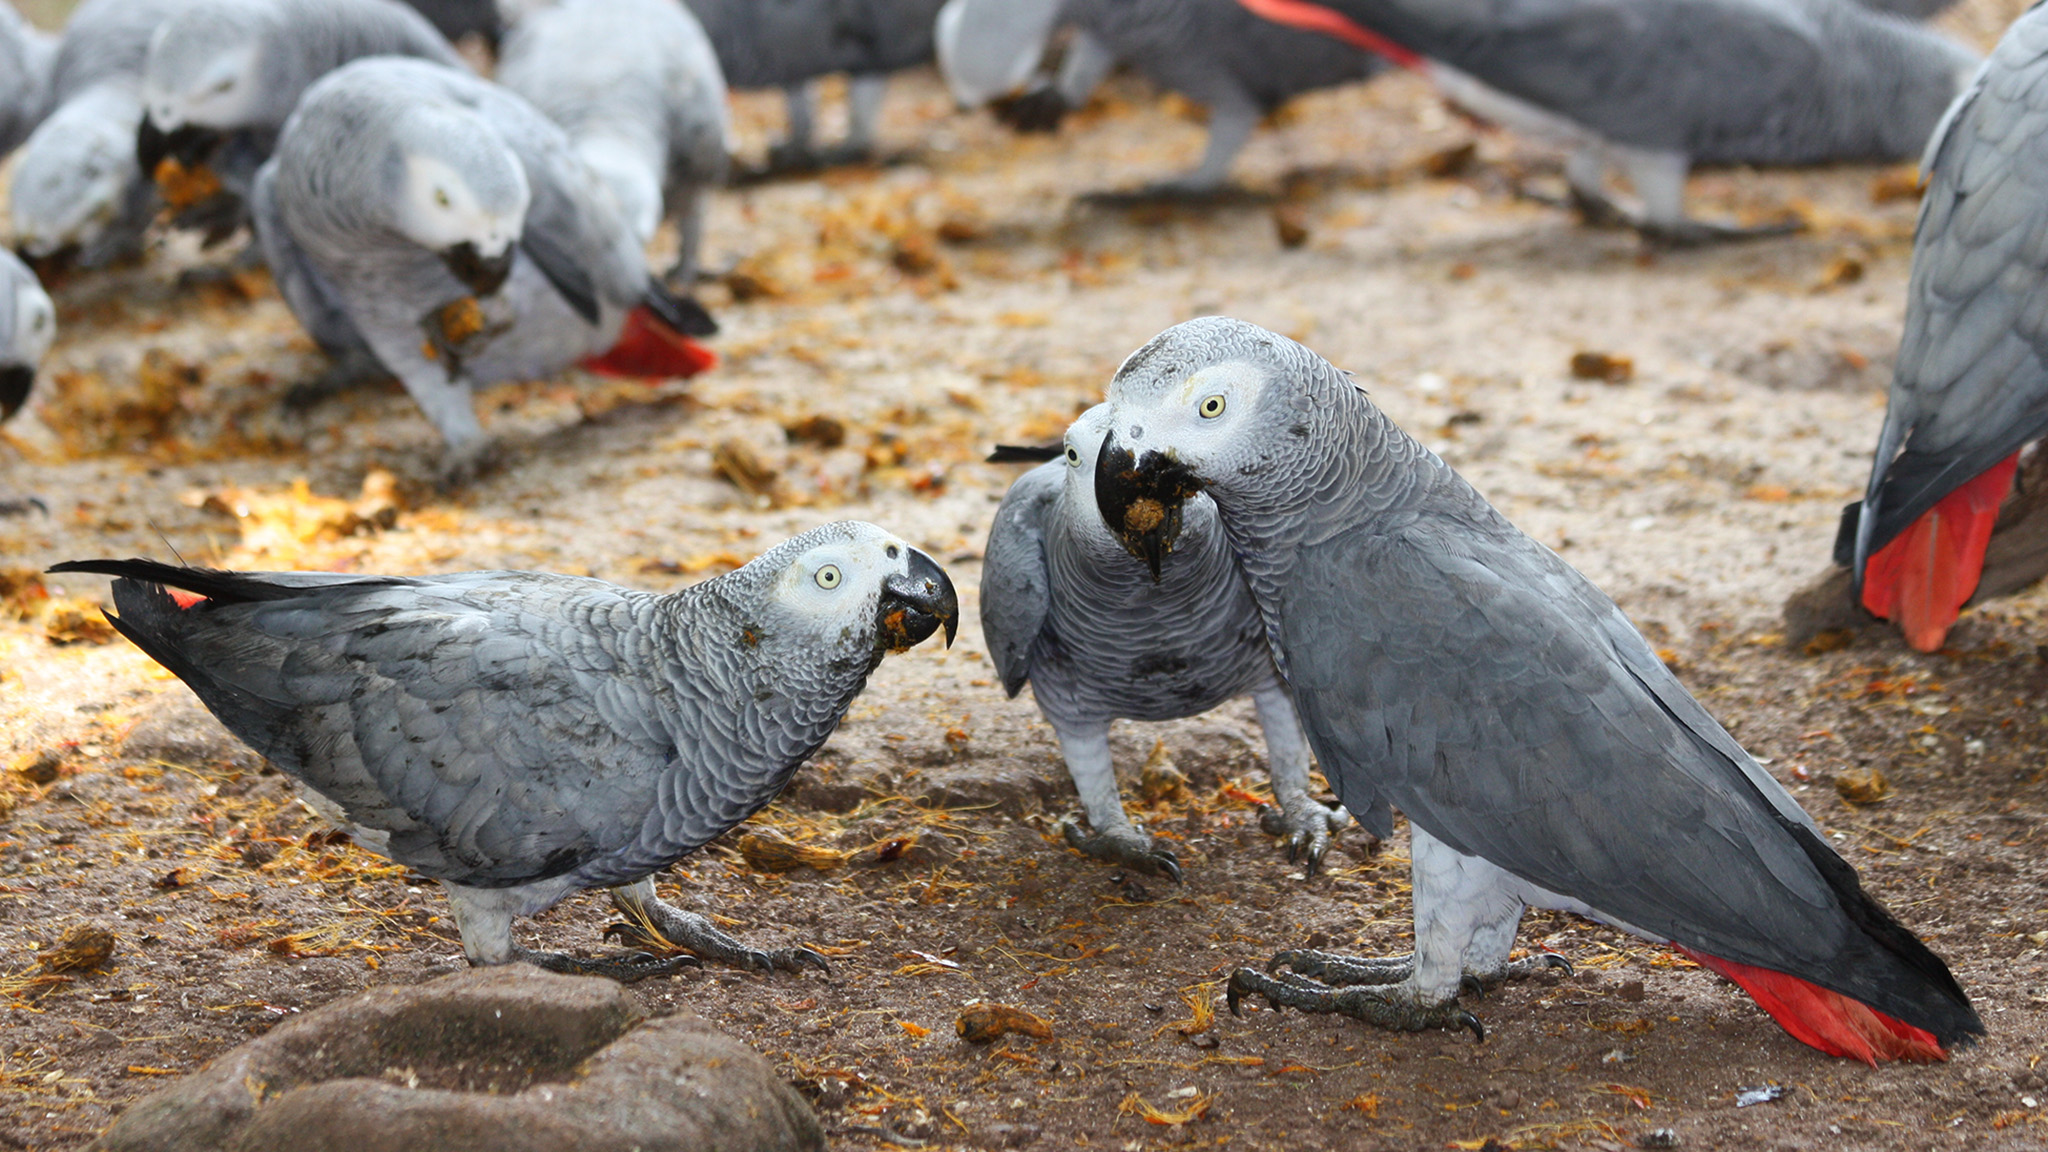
x=885 y=328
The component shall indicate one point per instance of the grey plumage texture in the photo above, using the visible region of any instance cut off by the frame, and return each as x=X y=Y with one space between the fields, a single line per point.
x=638 y=89
x=1970 y=386
x=390 y=169
x=789 y=43
x=1214 y=52
x=26 y=54
x=1675 y=82
x=456 y=19
x=1445 y=663
x=1066 y=609
x=76 y=185
x=28 y=325
x=531 y=733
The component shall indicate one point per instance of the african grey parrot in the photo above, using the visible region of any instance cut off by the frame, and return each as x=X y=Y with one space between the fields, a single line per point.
x=1065 y=608
x=520 y=736
x=787 y=44
x=638 y=89
x=1970 y=388
x=1446 y=664
x=28 y=325
x=222 y=76
x=1214 y=52
x=456 y=19
x=76 y=188
x=1656 y=86
x=441 y=224
x=26 y=53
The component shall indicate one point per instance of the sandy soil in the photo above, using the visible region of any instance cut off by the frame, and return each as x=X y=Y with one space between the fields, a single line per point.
x=925 y=311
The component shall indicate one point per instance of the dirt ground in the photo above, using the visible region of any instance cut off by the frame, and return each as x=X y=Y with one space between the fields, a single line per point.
x=884 y=327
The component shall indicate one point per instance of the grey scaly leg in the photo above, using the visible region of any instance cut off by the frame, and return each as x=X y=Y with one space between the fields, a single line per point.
x=1302 y=821
x=1466 y=911
x=1659 y=178
x=638 y=903
x=1086 y=750
x=794 y=153
x=484 y=918
x=864 y=96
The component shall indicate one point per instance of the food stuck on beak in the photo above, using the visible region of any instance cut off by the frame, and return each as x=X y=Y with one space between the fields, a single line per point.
x=191 y=146
x=1141 y=499
x=481 y=274
x=916 y=603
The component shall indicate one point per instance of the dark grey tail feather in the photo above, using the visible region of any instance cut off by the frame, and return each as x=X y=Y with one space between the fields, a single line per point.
x=1026 y=453
x=214 y=583
x=682 y=313
x=1898 y=975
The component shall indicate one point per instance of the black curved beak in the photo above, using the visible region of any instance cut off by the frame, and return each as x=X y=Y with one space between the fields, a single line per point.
x=1140 y=499
x=482 y=274
x=916 y=603
x=191 y=146
x=15 y=380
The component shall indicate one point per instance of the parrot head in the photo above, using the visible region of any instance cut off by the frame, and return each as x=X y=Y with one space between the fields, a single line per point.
x=32 y=326
x=460 y=192
x=71 y=179
x=1190 y=410
x=837 y=599
x=203 y=77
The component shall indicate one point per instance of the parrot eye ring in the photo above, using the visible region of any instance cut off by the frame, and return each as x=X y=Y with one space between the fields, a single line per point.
x=828 y=577
x=892 y=551
x=1073 y=455
x=1211 y=407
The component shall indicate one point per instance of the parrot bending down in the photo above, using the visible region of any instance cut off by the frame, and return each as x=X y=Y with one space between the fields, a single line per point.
x=521 y=736
x=1065 y=608
x=1970 y=388
x=28 y=326
x=1214 y=52
x=26 y=54
x=637 y=87
x=439 y=223
x=1656 y=86
x=1444 y=663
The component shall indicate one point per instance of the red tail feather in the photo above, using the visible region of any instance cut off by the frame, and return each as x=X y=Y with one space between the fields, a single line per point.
x=1827 y=1020
x=651 y=350
x=1923 y=578
x=184 y=599
x=1316 y=18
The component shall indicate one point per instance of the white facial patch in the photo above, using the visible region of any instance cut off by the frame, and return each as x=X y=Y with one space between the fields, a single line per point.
x=438 y=210
x=35 y=323
x=223 y=95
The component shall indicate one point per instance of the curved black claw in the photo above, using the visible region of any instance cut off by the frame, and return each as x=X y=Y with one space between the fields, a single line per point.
x=1125 y=845
x=1306 y=831
x=1553 y=960
x=1235 y=991
x=724 y=951
x=1471 y=985
x=1465 y=1019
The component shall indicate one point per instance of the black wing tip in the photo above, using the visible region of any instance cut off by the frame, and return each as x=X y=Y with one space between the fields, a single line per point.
x=1026 y=453
x=682 y=313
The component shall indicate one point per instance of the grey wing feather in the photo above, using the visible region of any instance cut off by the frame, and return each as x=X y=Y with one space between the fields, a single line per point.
x=1493 y=695
x=1971 y=382
x=1015 y=583
x=439 y=710
x=312 y=298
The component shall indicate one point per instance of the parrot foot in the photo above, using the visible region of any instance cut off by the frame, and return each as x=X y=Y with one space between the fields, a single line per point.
x=24 y=506
x=1339 y=970
x=1480 y=983
x=1306 y=826
x=624 y=968
x=1398 y=1007
x=1689 y=233
x=1181 y=193
x=1124 y=844
x=349 y=370
x=463 y=464
x=674 y=928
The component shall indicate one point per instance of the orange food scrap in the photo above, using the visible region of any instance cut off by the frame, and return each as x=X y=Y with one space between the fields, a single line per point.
x=985 y=1022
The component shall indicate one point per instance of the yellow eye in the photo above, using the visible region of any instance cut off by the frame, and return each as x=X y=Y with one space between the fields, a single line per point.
x=441 y=197
x=1073 y=455
x=1211 y=408
x=828 y=577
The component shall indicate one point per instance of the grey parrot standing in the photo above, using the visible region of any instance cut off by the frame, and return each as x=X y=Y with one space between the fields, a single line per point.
x=76 y=188
x=26 y=53
x=1970 y=388
x=1446 y=664
x=222 y=76
x=521 y=736
x=1656 y=86
x=28 y=326
x=638 y=89
x=1065 y=608
x=1214 y=52
x=787 y=44
x=444 y=226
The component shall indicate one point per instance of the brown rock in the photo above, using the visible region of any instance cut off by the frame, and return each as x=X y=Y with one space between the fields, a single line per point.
x=506 y=1059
